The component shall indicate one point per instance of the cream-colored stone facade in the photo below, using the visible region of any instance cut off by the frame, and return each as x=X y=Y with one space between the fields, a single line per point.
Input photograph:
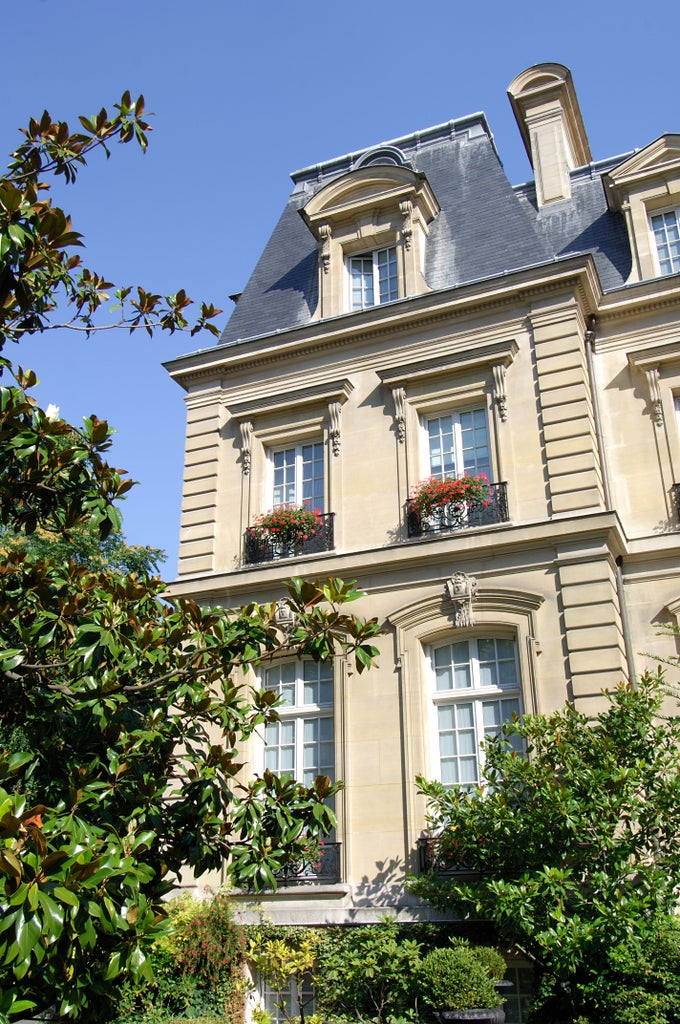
x=577 y=387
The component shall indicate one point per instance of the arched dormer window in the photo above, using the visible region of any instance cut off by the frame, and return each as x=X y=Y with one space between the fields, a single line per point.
x=382 y=155
x=371 y=225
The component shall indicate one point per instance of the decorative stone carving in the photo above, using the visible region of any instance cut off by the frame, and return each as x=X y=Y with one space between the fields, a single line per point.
x=399 y=397
x=460 y=589
x=325 y=247
x=653 y=384
x=284 y=617
x=246 y=443
x=406 y=211
x=499 y=394
x=334 y=432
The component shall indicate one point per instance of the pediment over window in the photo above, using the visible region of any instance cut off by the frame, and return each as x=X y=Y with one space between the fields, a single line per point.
x=646 y=189
x=371 y=226
x=371 y=187
x=658 y=163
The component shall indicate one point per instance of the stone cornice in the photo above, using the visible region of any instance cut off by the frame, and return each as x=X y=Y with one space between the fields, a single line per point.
x=467 y=549
x=328 y=391
x=484 y=355
x=574 y=273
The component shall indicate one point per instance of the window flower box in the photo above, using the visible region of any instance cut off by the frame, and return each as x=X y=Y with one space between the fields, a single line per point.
x=288 y=531
x=455 y=503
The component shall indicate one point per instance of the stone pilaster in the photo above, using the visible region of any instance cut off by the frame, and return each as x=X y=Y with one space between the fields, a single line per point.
x=571 y=452
x=199 y=491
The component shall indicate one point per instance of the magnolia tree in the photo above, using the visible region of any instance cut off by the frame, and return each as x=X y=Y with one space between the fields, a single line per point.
x=122 y=711
x=572 y=847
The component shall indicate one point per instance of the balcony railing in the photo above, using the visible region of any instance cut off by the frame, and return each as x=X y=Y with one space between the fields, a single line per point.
x=433 y=857
x=460 y=516
x=264 y=546
x=324 y=869
x=675 y=490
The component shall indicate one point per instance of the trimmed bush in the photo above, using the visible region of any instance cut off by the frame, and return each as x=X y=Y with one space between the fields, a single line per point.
x=456 y=979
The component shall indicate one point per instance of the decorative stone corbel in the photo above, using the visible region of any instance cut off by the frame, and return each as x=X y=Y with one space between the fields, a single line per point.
x=246 y=443
x=460 y=590
x=406 y=211
x=652 y=376
x=399 y=398
x=334 y=432
x=499 y=394
x=284 y=616
x=325 y=247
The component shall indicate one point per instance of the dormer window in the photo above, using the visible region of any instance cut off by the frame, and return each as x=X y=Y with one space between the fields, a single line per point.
x=645 y=188
x=371 y=226
x=373 y=278
x=666 y=230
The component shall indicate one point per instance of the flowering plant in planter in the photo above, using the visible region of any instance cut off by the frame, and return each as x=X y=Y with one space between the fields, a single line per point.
x=433 y=493
x=290 y=522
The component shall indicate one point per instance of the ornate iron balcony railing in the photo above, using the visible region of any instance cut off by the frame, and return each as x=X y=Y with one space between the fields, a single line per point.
x=431 y=857
x=264 y=546
x=464 y=516
x=323 y=870
x=675 y=490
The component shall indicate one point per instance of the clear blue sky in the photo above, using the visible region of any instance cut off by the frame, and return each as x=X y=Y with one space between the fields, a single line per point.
x=244 y=93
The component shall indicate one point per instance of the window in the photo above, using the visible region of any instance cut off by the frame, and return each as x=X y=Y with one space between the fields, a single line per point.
x=476 y=690
x=666 y=231
x=299 y=476
x=373 y=278
x=458 y=444
x=518 y=998
x=283 y=1005
x=301 y=744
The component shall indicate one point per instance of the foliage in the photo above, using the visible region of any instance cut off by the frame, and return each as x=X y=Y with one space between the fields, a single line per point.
x=368 y=973
x=85 y=547
x=433 y=493
x=575 y=848
x=290 y=953
x=122 y=711
x=197 y=967
x=294 y=522
x=457 y=979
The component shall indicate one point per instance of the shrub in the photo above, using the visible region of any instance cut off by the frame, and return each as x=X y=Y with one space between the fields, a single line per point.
x=367 y=973
x=197 y=968
x=457 y=978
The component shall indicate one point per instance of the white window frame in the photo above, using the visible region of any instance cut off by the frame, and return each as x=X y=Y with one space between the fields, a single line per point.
x=674 y=260
x=298 y=497
x=289 y=679
x=458 y=432
x=270 y=996
x=477 y=694
x=374 y=256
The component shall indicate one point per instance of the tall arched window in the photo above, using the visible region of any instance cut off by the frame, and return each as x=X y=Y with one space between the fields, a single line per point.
x=476 y=687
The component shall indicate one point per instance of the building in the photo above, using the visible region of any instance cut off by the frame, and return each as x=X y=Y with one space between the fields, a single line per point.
x=413 y=315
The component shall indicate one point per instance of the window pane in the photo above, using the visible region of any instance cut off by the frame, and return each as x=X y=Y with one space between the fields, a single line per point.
x=312 y=476
x=386 y=260
x=284 y=477
x=361 y=277
x=667 y=237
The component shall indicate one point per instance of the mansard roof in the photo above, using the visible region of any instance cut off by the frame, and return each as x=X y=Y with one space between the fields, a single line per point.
x=484 y=227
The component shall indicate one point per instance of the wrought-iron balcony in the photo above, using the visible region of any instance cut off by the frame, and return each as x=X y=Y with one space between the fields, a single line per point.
x=675 y=490
x=439 y=857
x=464 y=515
x=265 y=546
x=323 y=869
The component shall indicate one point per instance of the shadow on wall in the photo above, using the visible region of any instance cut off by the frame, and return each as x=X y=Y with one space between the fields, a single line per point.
x=386 y=886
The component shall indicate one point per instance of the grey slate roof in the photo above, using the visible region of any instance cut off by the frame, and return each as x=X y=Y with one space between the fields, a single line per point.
x=485 y=227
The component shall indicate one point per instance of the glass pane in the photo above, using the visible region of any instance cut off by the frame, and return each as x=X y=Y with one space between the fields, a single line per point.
x=464 y=716
x=468 y=770
x=446 y=717
x=447 y=744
